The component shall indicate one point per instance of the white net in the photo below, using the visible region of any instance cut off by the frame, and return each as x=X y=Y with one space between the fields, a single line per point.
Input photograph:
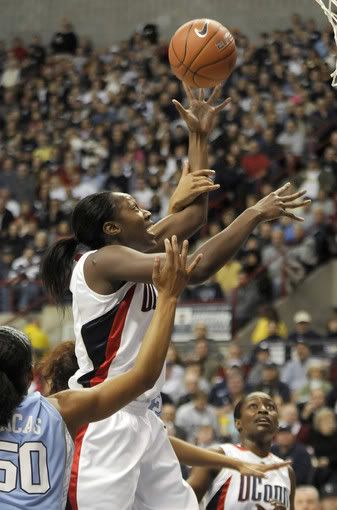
x=330 y=10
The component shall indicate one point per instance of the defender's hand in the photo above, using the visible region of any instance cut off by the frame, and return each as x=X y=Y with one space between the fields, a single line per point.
x=276 y=204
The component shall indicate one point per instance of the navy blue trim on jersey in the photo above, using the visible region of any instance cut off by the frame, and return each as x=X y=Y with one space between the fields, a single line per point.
x=95 y=336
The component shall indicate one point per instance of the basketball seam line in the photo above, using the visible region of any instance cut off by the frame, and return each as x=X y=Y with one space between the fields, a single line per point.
x=188 y=33
x=174 y=51
x=213 y=63
x=197 y=55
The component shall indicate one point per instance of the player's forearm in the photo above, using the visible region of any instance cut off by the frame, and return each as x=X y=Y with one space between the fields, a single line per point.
x=198 y=159
x=221 y=248
x=152 y=354
x=194 y=456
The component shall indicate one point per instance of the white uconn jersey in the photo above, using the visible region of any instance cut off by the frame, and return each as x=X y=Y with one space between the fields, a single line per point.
x=232 y=491
x=109 y=329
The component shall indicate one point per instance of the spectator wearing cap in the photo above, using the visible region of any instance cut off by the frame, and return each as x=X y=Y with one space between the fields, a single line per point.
x=271 y=384
x=329 y=496
x=294 y=373
x=288 y=448
x=307 y=498
x=303 y=331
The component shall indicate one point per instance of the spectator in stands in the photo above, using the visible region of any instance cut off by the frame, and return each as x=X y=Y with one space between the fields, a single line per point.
x=271 y=384
x=329 y=496
x=174 y=380
x=317 y=400
x=285 y=271
x=205 y=436
x=210 y=361
x=229 y=390
x=324 y=236
x=168 y=416
x=307 y=498
x=37 y=336
x=294 y=373
x=317 y=378
x=260 y=357
x=6 y=217
x=195 y=414
x=65 y=40
x=289 y=415
x=303 y=331
x=24 y=274
x=288 y=448
x=323 y=439
x=246 y=299
x=190 y=388
x=6 y=260
x=261 y=331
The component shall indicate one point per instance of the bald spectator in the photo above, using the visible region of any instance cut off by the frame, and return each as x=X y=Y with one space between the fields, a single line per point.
x=307 y=498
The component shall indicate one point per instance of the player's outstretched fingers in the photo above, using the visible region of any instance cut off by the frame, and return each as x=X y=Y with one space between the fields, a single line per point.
x=292 y=215
x=186 y=167
x=156 y=270
x=223 y=105
x=184 y=253
x=293 y=196
x=180 y=109
x=175 y=249
x=295 y=205
x=201 y=94
x=215 y=94
x=169 y=253
x=194 y=264
x=188 y=92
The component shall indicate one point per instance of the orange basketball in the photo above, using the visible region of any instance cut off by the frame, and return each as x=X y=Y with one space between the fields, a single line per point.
x=202 y=53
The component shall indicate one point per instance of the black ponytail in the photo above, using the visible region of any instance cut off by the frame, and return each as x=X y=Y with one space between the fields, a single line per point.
x=15 y=371
x=57 y=266
x=88 y=220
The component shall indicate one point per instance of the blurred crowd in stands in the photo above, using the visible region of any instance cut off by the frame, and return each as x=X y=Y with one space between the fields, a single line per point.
x=75 y=120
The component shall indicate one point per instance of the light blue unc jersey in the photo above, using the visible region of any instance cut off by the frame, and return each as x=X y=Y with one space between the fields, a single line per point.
x=35 y=458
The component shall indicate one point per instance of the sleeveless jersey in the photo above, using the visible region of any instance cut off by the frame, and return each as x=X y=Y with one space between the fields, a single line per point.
x=36 y=453
x=232 y=491
x=109 y=329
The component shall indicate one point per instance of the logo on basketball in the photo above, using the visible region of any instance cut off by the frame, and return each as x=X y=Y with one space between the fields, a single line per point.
x=203 y=31
x=220 y=45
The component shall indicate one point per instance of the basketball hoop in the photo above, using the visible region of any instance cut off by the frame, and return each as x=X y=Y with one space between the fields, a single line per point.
x=329 y=8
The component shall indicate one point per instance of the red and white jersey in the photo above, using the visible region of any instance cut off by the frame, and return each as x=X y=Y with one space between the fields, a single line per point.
x=109 y=329
x=232 y=491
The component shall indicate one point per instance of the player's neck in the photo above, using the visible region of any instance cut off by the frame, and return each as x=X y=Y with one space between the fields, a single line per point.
x=259 y=448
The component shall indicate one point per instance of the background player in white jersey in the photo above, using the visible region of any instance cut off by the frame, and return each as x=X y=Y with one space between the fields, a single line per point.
x=35 y=445
x=256 y=419
x=137 y=463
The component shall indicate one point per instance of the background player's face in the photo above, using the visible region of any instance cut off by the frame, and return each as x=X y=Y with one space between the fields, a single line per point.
x=134 y=223
x=259 y=416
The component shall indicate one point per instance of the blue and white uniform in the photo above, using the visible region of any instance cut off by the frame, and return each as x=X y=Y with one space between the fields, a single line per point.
x=35 y=457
